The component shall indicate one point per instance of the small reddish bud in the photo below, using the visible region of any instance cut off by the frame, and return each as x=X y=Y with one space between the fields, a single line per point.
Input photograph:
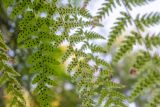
x=133 y=71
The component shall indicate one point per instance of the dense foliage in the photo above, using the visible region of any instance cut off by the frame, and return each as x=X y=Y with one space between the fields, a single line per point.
x=43 y=26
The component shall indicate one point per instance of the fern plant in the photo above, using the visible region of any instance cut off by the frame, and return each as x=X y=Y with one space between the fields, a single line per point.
x=43 y=26
x=8 y=77
x=151 y=78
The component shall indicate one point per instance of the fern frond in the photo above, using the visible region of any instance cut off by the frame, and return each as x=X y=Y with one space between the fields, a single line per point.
x=107 y=8
x=79 y=53
x=116 y=103
x=100 y=61
x=147 y=20
x=67 y=53
x=112 y=84
x=156 y=60
x=83 y=75
x=146 y=82
x=42 y=35
x=4 y=48
x=9 y=76
x=152 y=41
x=155 y=102
x=127 y=46
x=130 y=3
x=78 y=11
x=118 y=28
x=107 y=92
x=117 y=95
x=141 y=60
x=83 y=72
x=19 y=8
x=94 y=48
x=72 y=65
x=92 y=35
x=76 y=39
x=35 y=32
